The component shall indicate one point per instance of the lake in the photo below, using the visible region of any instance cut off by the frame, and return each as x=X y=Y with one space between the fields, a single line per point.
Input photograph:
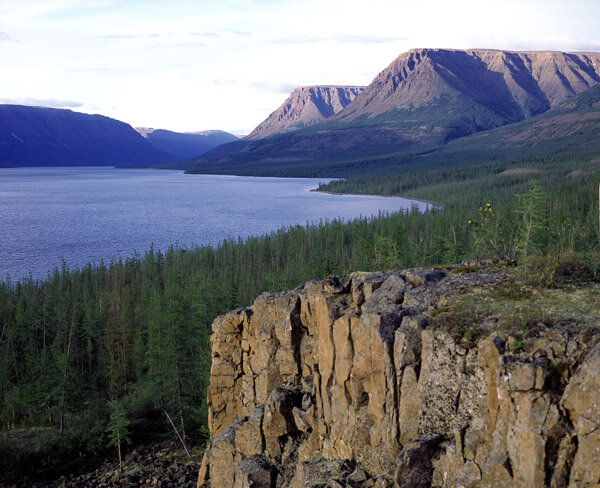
x=87 y=214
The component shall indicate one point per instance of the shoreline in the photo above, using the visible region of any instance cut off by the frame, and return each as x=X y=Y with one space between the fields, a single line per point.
x=154 y=192
x=437 y=205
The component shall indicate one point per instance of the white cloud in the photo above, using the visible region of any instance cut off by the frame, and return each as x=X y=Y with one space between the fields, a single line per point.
x=5 y=37
x=37 y=102
x=338 y=38
x=191 y=65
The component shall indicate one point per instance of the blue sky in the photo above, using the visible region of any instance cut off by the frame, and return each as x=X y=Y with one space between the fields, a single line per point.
x=201 y=64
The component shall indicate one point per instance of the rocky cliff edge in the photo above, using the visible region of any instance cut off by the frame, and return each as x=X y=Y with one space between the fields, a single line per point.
x=350 y=382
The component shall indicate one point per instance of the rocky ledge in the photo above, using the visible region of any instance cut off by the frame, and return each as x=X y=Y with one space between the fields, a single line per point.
x=349 y=382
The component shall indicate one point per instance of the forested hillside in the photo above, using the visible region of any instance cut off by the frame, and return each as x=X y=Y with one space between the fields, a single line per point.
x=132 y=337
x=92 y=358
x=567 y=133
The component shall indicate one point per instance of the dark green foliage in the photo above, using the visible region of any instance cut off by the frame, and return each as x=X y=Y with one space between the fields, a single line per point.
x=137 y=331
x=118 y=429
x=532 y=221
x=559 y=270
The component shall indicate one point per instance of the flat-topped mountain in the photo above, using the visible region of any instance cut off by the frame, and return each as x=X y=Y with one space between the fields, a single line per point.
x=455 y=92
x=420 y=102
x=185 y=144
x=306 y=106
x=569 y=130
x=39 y=136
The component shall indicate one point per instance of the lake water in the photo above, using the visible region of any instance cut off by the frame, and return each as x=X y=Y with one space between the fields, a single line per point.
x=86 y=214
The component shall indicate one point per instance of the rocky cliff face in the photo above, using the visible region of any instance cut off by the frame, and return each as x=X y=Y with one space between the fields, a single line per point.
x=347 y=383
x=306 y=106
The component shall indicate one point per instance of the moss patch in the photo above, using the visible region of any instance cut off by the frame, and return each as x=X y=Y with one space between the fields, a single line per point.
x=518 y=307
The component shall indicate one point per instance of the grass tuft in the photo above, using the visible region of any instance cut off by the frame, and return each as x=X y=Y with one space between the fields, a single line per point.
x=521 y=306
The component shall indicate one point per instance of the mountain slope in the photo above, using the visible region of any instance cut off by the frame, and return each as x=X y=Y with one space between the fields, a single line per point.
x=185 y=144
x=306 y=106
x=572 y=127
x=436 y=95
x=422 y=101
x=38 y=136
x=569 y=132
x=511 y=85
x=565 y=139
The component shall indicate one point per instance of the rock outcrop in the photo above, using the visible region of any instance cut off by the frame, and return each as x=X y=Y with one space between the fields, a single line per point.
x=306 y=106
x=346 y=383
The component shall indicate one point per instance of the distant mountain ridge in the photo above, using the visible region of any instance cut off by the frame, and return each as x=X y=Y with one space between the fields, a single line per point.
x=39 y=136
x=492 y=86
x=423 y=100
x=569 y=131
x=305 y=107
x=185 y=145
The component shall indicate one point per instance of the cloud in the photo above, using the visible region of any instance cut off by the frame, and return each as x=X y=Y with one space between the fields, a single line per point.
x=540 y=43
x=262 y=86
x=5 y=37
x=183 y=44
x=200 y=39
x=238 y=33
x=116 y=37
x=567 y=44
x=275 y=87
x=42 y=102
x=103 y=70
x=353 y=38
x=212 y=35
x=586 y=46
x=339 y=38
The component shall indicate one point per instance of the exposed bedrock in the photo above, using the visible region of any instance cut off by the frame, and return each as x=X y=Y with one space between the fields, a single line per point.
x=341 y=383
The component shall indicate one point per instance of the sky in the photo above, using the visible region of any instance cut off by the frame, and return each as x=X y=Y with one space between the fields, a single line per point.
x=190 y=65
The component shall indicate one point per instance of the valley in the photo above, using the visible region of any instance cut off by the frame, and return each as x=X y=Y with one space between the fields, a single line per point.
x=432 y=107
x=504 y=143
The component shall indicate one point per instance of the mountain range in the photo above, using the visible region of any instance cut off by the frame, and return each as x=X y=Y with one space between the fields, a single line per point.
x=427 y=104
x=185 y=145
x=40 y=136
x=422 y=101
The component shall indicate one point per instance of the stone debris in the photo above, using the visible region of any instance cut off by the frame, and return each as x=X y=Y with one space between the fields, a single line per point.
x=160 y=466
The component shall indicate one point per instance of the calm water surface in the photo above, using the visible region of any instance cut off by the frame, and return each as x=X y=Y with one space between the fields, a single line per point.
x=87 y=214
